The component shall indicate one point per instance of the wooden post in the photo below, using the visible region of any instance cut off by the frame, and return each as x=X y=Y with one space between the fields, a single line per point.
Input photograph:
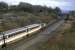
x=4 y=45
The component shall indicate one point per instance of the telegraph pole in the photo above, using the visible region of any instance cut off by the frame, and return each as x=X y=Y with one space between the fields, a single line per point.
x=4 y=44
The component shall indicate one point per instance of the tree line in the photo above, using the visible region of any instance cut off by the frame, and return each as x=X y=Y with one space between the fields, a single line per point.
x=26 y=7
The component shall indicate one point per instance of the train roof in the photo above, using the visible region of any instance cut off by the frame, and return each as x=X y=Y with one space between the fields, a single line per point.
x=31 y=26
x=19 y=29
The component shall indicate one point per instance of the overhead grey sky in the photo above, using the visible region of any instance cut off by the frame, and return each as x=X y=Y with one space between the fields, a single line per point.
x=63 y=4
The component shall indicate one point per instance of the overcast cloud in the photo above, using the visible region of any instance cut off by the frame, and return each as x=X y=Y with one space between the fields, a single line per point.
x=63 y=4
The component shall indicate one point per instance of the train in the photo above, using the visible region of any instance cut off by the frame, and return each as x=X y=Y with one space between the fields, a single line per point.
x=12 y=35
